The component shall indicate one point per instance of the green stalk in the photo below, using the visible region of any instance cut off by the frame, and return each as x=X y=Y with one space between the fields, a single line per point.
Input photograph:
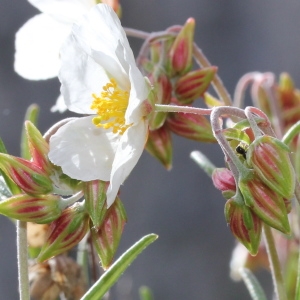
x=274 y=264
x=22 y=260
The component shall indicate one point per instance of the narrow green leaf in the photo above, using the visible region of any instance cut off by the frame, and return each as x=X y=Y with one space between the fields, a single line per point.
x=145 y=293
x=104 y=283
x=255 y=290
x=31 y=115
x=203 y=162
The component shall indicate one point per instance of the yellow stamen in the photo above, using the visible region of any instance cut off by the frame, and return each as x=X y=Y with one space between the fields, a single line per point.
x=110 y=107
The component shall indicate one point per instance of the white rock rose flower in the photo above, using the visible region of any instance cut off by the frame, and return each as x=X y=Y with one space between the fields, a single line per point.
x=100 y=79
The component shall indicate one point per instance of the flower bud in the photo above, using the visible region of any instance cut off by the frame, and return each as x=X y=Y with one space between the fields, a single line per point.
x=287 y=93
x=269 y=158
x=268 y=205
x=37 y=209
x=38 y=147
x=223 y=179
x=194 y=84
x=106 y=238
x=244 y=224
x=159 y=144
x=65 y=232
x=191 y=126
x=26 y=175
x=95 y=200
x=163 y=90
x=181 y=51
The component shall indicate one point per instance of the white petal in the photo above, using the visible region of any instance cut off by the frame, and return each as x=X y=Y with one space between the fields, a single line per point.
x=83 y=151
x=80 y=76
x=101 y=35
x=60 y=105
x=37 y=47
x=64 y=10
x=138 y=94
x=129 y=150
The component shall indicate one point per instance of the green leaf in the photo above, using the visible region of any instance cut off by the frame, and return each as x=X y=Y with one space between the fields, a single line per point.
x=31 y=115
x=104 y=283
x=145 y=293
x=254 y=288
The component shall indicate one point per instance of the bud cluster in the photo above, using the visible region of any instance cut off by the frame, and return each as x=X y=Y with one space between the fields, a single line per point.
x=260 y=194
x=37 y=198
x=169 y=68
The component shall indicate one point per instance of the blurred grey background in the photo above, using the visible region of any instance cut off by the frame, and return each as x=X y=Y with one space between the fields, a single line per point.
x=190 y=259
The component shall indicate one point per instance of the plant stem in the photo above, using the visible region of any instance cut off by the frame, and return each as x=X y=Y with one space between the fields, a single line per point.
x=216 y=82
x=22 y=260
x=274 y=264
x=182 y=109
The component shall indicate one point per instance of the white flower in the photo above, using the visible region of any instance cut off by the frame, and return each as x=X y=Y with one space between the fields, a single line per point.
x=100 y=78
x=39 y=40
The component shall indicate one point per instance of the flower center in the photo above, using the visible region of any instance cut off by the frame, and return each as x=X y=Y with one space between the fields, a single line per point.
x=110 y=107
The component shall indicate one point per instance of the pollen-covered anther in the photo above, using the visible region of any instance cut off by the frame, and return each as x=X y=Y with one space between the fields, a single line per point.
x=110 y=107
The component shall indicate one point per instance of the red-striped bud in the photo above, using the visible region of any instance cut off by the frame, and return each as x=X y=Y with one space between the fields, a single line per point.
x=38 y=147
x=268 y=205
x=159 y=144
x=181 y=51
x=37 y=209
x=95 y=200
x=163 y=91
x=106 y=238
x=191 y=126
x=244 y=224
x=224 y=181
x=194 y=84
x=269 y=158
x=26 y=175
x=65 y=232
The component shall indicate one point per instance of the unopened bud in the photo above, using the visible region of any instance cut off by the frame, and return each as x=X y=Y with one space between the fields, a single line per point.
x=268 y=205
x=95 y=200
x=191 y=126
x=38 y=209
x=159 y=144
x=269 y=158
x=106 y=238
x=38 y=147
x=163 y=91
x=286 y=88
x=194 y=84
x=181 y=51
x=26 y=175
x=244 y=224
x=223 y=179
x=65 y=232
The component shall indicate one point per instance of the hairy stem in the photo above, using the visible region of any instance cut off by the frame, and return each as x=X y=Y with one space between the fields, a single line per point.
x=216 y=82
x=274 y=264
x=182 y=109
x=22 y=260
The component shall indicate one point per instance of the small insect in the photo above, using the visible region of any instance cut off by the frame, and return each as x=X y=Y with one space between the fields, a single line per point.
x=242 y=149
